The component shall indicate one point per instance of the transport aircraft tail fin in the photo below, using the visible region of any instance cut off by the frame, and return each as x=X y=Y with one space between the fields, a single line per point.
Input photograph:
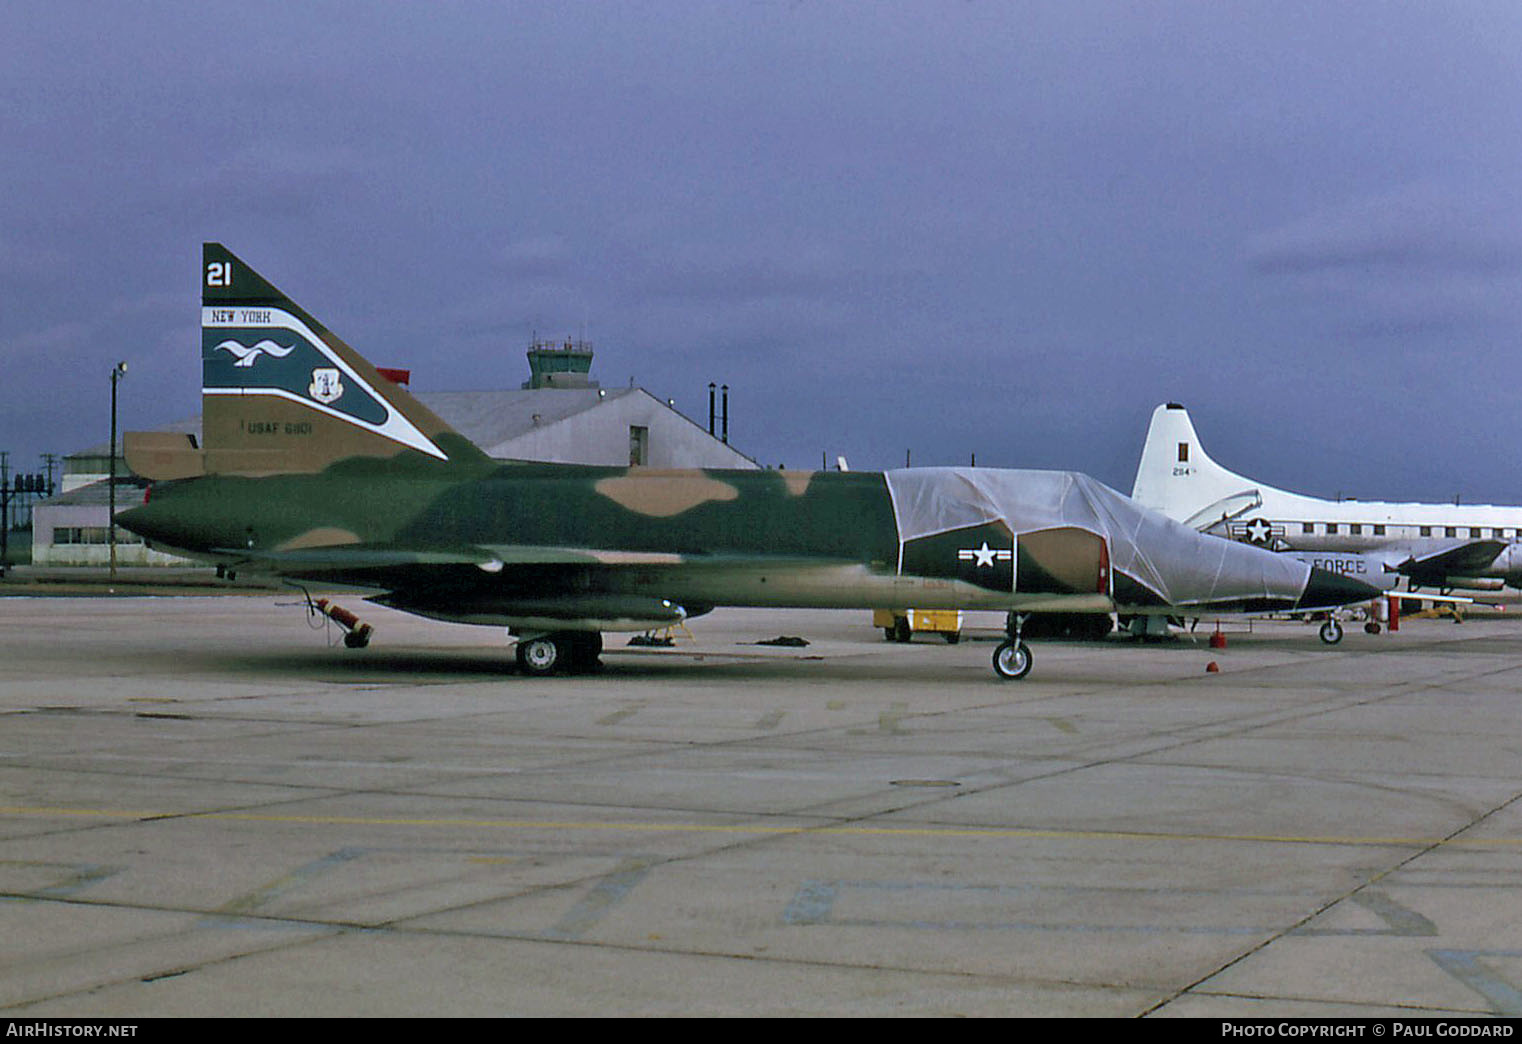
x=1177 y=477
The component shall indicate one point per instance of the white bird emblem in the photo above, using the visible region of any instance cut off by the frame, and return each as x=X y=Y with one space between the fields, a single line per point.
x=246 y=356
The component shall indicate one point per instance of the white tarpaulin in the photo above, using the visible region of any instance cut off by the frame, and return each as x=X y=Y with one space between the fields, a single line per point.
x=1182 y=567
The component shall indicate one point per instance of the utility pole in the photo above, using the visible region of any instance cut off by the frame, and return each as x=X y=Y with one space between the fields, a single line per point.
x=116 y=375
x=5 y=509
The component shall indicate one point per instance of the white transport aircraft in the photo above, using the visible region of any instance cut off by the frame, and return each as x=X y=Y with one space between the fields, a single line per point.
x=1469 y=547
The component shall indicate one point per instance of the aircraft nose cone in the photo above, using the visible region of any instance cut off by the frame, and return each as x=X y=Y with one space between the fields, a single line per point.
x=151 y=522
x=1326 y=589
x=136 y=519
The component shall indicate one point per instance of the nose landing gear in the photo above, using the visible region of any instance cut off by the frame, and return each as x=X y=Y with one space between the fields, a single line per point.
x=1012 y=659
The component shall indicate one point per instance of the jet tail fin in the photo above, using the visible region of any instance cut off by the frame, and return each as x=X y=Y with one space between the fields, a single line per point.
x=1177 y=477
x=282 y=393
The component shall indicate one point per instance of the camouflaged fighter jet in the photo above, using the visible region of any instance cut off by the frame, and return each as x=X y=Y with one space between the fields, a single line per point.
x=315 y=467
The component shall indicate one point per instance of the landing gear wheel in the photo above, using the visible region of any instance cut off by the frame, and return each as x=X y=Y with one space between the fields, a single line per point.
x=538 y=657
x=1331 y=632
x=582 y=651
x=1372 y=627
x=1012 y=660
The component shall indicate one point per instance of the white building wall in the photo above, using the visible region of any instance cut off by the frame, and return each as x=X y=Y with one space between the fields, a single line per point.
x=48 y=520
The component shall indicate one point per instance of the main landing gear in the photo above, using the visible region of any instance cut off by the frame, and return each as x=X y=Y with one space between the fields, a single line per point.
x=1012 y=659
x=560 y=652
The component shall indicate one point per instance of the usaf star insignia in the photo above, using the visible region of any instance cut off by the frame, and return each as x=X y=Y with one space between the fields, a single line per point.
x=1258 y=531
x=985 y=556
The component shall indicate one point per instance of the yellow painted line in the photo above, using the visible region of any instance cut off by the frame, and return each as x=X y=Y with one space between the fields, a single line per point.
x=1011 y=833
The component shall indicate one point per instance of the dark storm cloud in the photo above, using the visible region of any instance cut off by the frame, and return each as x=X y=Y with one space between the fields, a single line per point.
x=538 y=257
x=1425 y=259
x=717 y=271
x=273 y=180
x=1005 y=228
x=1422 y=229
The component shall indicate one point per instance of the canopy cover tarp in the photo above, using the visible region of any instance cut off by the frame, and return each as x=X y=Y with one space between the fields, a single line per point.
x=1180 y=566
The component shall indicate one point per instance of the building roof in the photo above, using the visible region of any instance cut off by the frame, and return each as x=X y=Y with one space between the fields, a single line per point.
x=489 y=418
x=129 y=490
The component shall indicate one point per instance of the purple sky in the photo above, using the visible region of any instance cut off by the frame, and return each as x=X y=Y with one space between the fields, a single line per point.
x=1008 y=229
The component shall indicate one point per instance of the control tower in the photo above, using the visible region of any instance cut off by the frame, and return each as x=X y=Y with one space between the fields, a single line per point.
x=554 y=364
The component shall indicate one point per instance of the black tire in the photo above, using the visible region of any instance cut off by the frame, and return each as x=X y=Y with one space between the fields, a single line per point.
x=1012 y=660
x=540 y=656
x=1331 y=632
x=582 y=650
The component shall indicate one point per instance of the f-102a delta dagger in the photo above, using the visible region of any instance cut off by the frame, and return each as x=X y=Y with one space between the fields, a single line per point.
x=314 y=467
